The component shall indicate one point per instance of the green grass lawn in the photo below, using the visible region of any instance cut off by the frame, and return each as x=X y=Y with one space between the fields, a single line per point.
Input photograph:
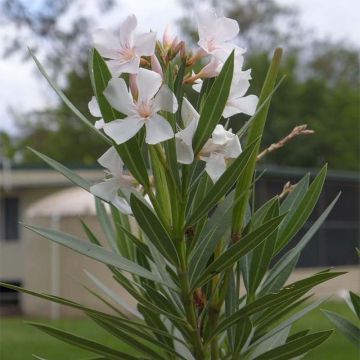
x=18 y=340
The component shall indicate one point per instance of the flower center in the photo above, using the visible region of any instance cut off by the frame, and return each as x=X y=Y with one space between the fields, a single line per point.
x=144 y=109
x=211 y=44
x=127 y=53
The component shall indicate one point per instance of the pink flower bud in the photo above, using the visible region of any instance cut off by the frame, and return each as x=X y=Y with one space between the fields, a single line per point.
x=155 y=65
x=133 y=85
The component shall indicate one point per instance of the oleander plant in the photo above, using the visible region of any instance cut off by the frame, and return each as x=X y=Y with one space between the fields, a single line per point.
x=183 y=232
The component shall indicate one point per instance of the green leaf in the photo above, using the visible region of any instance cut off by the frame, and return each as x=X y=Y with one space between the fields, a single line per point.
x=95 y=252
x=71 y=175
x=83 y=343
x=347 y=328
x=355 y=300
x=153 y=228
x=90 y=235
x=262 y=255
x=236 y=251
x=243 y=330
x=289 y=321
x=294 y=290
x=106 y=224
x=123 y=333
x=66 y=101
x=215 y=228
x=255 y=132
x=277 y=275
x=296 y=347
x=130 y=151
x=220 y=188
x=214 y=105
x=298 y=218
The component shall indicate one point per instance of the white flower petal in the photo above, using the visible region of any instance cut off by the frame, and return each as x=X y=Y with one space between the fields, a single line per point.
x=184 y=152
x=94 y=107
x=117 y=67
x=226 y=29
x=215 y=166
x=220 y=136
x=127 y=31
x=165 y=100
x=123 y=130
x=106 y=190
x=232 y=148
x=197 y=85
x=149 y=83
x=105 y=43
x=188 y=113
x=99 y=124
x=145 y=44
x=206 y=19
x=157 y=130
x=246 y=105
x=112 y=161
x=183 y=141
x=118 y=96
x=122 y=205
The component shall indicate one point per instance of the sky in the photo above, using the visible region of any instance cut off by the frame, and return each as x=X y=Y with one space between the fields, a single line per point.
x=23 y=90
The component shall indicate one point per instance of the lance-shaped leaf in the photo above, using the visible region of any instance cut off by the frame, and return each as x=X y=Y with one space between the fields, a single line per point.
x=298 y=218
x=71 y=175
x=296 y=347
x=262 y=255
x=214 y=104
x=239 y=249
x=255 y=131
x=283 y=268
x=347 y=328
x=95 y=252
x=234 y=172
x=153 y=229
x=66 y=101
x=355 y=301
x=84 y=343
x=130 y=151
x=294 y=290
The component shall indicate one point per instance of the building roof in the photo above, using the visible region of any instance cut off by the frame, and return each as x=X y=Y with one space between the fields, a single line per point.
x=68 y=202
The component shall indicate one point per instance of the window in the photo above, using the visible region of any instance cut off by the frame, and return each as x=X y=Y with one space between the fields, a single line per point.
x=10 y=296
x=9 y=218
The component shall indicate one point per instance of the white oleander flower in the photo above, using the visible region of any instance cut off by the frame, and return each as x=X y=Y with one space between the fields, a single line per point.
x=109 y=188
x=237 y=102
x=95 y=111
x=152 y=98
x=222 y=145
x=124 y=53
x=184 y=138
x=216 y=33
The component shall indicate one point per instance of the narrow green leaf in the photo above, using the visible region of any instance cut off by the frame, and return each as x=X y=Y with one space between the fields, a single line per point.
x=355 y=300
x=222 y=186
x=298 y=218
x=154 y=230
x=289 y=321
x=95 y=252
x=214 y=104
x=83 y=343
x=347 y=328
x=262 y=255
x=71 y=175
x=66 y=101
x=296 y=347
x=243 y=330
x=90 y=235
x=239 y=249
x=106 y=224
x=127 y=337
x=286 y=264
x=255 y=132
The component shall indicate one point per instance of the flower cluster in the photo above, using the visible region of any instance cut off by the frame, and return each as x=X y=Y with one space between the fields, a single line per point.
x=144 y=98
